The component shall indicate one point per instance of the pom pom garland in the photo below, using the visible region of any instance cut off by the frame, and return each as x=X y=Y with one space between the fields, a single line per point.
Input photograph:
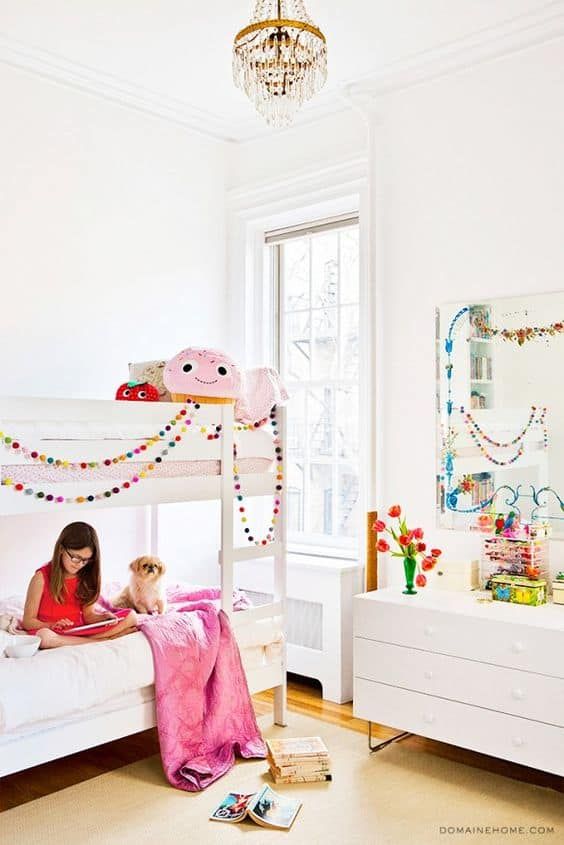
x=479 y=437
x=270 y=534
x=184 y=417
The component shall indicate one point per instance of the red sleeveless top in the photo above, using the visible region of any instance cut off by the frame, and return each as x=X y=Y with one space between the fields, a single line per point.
x=51 y=611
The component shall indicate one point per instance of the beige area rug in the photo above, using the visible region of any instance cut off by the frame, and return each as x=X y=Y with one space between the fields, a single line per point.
x=395 y=796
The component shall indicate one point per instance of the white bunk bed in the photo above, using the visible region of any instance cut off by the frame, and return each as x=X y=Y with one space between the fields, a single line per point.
x=73 y=429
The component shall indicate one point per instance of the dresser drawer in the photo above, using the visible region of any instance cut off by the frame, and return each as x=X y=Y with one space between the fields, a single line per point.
x=519 y=693
x=474 y=636
x=509 y=737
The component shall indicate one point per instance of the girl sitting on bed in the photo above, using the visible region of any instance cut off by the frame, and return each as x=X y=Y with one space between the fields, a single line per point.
x=62 y=594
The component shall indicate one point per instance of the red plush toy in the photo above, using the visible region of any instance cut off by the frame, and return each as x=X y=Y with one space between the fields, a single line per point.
x=137 y=391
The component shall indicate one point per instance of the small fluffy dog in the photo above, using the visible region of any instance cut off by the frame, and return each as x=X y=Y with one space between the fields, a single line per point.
x=145 y=592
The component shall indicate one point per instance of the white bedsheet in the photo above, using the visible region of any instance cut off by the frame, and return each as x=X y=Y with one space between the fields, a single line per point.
x=146 y=695
x=72 y=680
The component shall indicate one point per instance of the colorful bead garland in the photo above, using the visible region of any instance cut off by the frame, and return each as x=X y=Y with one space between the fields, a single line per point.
x=125 y=485
x=277 y=496
x=184 y=416
x=449 y=452
x=533 y=418
x=476 y=432
x=49 y=497
x=522 y=334
x=211 y=432
x=486 y=455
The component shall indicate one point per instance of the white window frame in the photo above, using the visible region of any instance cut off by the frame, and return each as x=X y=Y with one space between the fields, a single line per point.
x=274 y=241
x=343 y=188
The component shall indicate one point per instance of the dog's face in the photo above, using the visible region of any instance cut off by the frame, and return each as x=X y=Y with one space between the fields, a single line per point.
x=147 y=568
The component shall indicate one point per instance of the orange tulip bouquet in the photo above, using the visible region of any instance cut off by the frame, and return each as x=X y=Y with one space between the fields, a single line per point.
x=411 y=548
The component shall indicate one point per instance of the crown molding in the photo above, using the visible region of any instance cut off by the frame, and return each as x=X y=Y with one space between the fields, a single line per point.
x=511 y=36
x=56 y=68
x=349 y=174
x=497 y=42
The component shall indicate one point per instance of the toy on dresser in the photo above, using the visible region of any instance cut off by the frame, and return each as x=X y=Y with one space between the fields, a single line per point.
x=515 y=562
x=512 y=556
x=517 y=550
x=518 y=590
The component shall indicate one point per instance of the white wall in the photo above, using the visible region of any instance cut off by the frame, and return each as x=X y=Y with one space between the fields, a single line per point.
x=299 y=150
x=471 y=186
x=26 y=543
x=112 y=249
x=473 y=208
x=112 y=239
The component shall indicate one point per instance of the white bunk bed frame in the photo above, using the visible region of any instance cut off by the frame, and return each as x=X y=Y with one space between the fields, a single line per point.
x=137 y=420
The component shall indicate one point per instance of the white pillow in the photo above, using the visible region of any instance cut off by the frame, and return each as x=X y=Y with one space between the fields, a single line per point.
x=12 y=606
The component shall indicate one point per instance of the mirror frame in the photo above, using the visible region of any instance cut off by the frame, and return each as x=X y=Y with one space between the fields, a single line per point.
x=542 y=497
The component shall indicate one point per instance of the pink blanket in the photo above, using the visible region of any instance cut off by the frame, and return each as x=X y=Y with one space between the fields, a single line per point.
x=204 y=710
x=178 y=595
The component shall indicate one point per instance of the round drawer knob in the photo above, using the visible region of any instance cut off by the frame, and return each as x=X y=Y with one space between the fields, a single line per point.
x=428 y=630
x=517 y=694
x=428 y=718
x=518 y=741
x=518 y=648
x=428 y=674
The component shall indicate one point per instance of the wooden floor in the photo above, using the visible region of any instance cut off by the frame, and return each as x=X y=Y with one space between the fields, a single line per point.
x=304 y=697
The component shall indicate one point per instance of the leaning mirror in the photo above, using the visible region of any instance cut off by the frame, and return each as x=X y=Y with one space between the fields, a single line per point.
x=500 y=407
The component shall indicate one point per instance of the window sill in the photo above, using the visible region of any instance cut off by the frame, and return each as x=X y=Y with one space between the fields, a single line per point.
x=325 y=564
x=326 y=559
x=326 y=552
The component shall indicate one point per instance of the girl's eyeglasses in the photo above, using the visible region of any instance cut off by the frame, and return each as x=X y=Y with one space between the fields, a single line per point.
x=76 y=559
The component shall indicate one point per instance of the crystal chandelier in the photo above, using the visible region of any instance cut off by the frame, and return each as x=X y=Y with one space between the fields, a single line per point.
x=280 y=59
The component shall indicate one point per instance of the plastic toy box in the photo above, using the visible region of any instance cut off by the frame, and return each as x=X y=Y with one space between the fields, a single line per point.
x=510 y=556
x=513 y=588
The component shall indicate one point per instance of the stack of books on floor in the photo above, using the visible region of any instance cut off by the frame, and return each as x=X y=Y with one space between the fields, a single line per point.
x=299 y=760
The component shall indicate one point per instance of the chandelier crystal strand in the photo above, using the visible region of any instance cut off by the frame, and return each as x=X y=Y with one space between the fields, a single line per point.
x=280 y=59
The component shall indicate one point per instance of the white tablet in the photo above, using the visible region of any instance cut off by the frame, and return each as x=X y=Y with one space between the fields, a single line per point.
x=103 y=623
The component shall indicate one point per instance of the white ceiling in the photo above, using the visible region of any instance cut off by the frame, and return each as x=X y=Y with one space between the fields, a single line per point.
x=173 y=57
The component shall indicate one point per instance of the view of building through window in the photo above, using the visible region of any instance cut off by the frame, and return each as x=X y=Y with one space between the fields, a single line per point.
x=316 y=277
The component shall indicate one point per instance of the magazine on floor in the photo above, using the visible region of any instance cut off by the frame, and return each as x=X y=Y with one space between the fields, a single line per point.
x=265 y=807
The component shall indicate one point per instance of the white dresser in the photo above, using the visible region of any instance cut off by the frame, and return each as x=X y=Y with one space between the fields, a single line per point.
x=484 y=676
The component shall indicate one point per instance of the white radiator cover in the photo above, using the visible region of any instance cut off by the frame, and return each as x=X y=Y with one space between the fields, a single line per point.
x=304 y=619
x=318 y=616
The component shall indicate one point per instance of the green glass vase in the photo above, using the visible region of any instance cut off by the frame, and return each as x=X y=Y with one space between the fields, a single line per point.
x=409 y=567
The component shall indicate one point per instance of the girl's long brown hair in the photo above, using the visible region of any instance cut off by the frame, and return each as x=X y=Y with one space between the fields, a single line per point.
x=77 y=535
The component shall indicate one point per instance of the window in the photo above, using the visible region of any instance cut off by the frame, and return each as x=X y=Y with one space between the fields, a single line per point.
x=315 y=278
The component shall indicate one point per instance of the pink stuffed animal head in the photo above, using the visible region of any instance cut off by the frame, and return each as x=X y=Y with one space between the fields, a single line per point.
x=203 y=372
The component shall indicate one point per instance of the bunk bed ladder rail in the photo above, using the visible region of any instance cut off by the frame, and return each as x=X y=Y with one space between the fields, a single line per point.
x=229 y=554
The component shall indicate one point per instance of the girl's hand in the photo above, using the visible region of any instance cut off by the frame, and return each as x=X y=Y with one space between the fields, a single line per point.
x=62 y=624
x=102 y=617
